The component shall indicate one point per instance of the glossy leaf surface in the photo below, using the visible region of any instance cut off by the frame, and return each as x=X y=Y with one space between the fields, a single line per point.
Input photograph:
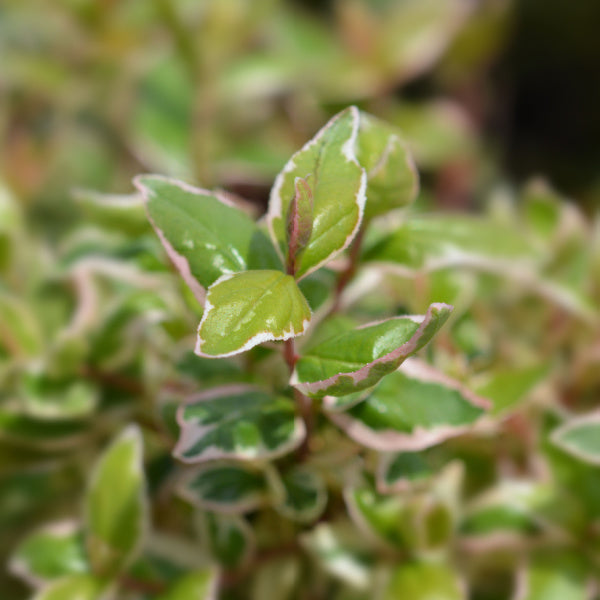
x=358 y=359
x=246 y=309
x=328 y=163
x=205 y=235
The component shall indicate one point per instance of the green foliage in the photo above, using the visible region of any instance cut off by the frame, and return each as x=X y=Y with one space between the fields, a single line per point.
x=355 y=397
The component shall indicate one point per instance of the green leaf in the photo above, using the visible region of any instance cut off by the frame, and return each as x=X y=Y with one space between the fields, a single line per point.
x=277 y=579
x=358 y=359
x=580 y=437
x=52 y=435
x=20 y=333
x=559 y=577
x=54 y=551
x=337 y=183
x=81 y=587
x=228 y=538
x=507 y=388
x=436 y=242
x=246 y=309
x=505 y=515
x=116 y=511
x=400 y=471
x=205 y=235
x=123 y=212
x=342 y=552
x=384 y=519
x=424 y=581
x=392 y=179
x=414 y=408
x=239 y=422
x=196 y=585
x=45 y=398
x=305 y=495
x=226 y=487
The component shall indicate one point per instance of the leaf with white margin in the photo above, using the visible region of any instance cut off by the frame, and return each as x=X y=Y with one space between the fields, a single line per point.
x=227 y=487
x=200 y=584
x=392 y=178
x=238 y=422
x=412 y=409
x=80 y=586
x=304 y=494
x=358 y=359
x=580 y=437
x=246 y=309
x=228 y=538
x=52 y=552
x=116 y=510
x=338 y=186
x=424 y=581
x=204 y=233
x=439 y=241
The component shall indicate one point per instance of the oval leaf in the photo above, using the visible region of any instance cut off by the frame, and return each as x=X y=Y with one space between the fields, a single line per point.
x=116 y=505
x=392 y=179
x=411 y=409
x=227 y=487
x=55 y=551
x=436 y=242
x=337 y=184
x=580 y=437
x=205 y=235
x=358 y=359
x=237 y=422
x=246 y=309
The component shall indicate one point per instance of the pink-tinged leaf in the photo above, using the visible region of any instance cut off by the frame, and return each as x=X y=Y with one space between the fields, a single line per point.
x=356 y=360
x=412 y=409
x=299 y=221
x=204 y=233
x=338 y=185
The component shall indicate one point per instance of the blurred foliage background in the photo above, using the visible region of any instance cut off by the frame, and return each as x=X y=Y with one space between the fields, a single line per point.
x=220 y=93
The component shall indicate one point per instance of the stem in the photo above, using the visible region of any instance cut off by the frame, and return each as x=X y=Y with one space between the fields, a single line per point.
x=304 y=403
x=289 y=353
